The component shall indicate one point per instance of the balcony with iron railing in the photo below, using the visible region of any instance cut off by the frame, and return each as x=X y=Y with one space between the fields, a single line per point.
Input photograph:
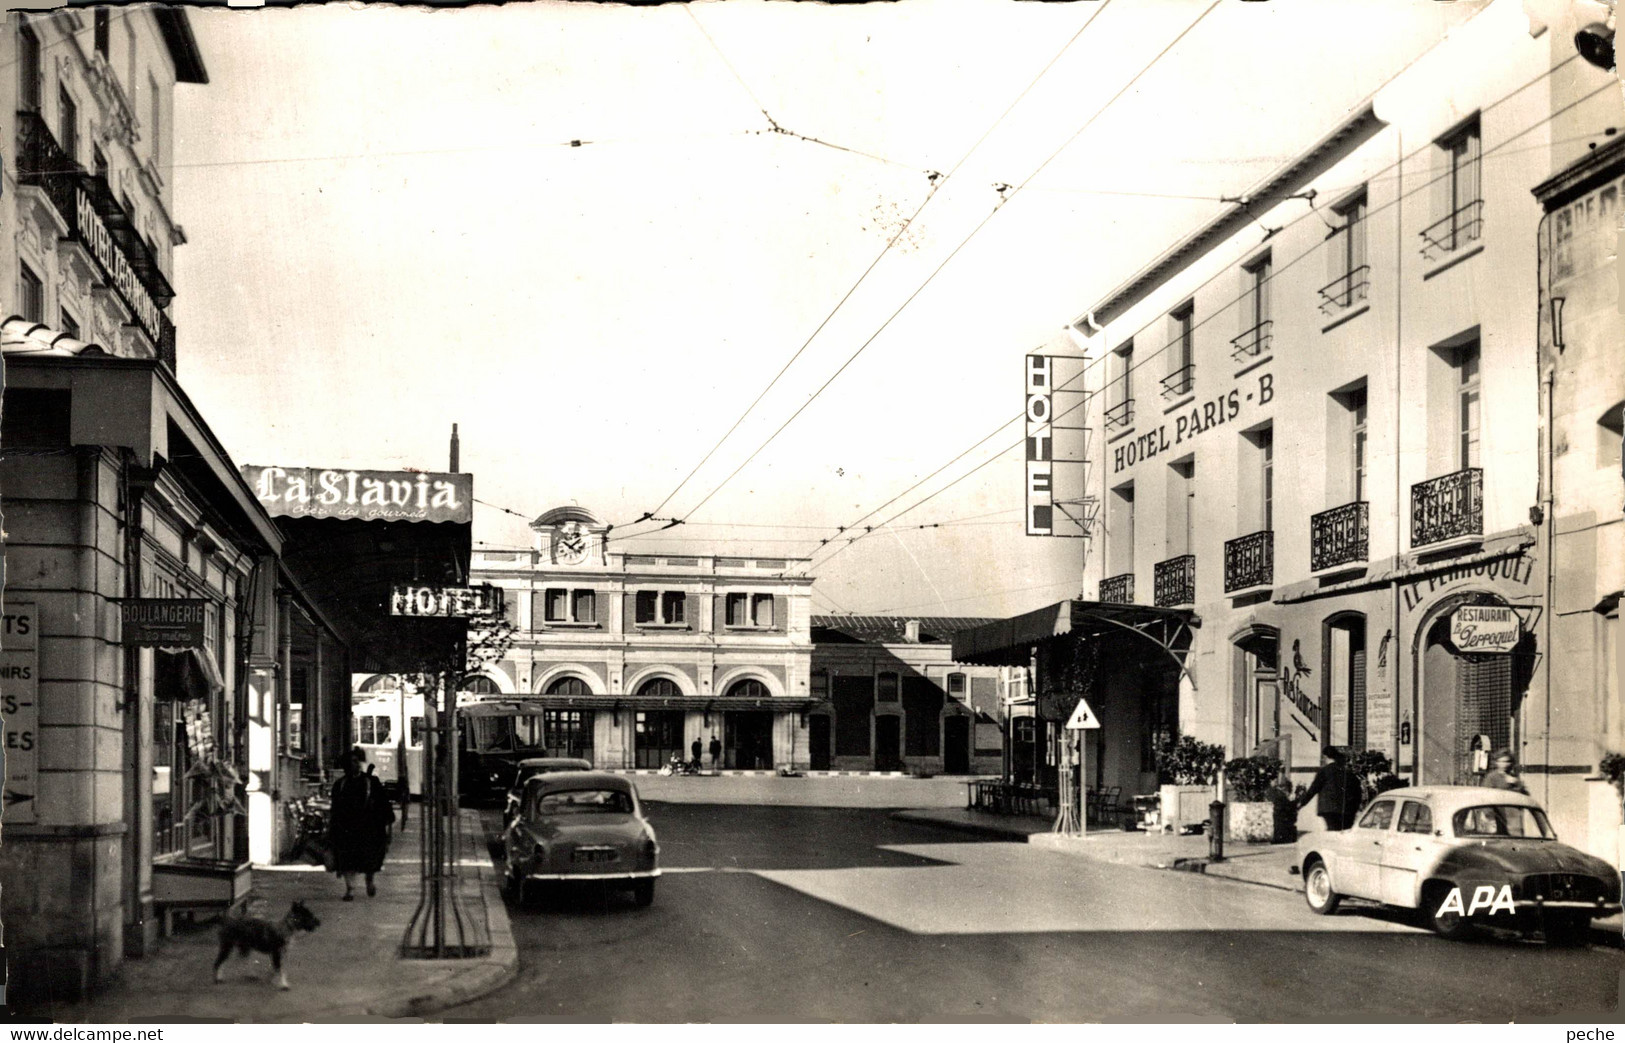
x=1340 y=536
x=1180 y=382
x=1175 y=581
x=1448 y=508
x=1460 y=228
x=1120 y=417
x=1249 y=562
x=39 y=157
x=1251 y=344
x=1118 y=590
x=1345 y=291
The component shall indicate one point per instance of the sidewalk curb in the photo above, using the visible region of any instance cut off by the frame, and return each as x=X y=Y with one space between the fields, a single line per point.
x=478 y=978
x=976 y=828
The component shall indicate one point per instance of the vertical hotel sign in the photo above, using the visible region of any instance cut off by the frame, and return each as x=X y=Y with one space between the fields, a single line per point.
x=1040 y=477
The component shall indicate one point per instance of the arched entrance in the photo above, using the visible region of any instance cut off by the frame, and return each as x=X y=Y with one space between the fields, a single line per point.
x=657 y=734
x=747 y=735
x=1467 y=701
x=1255 y=688
x=565 y=732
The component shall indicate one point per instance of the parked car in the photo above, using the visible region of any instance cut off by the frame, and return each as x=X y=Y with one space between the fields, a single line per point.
x=1460 y=855
x=531 y=767
x=582 y=826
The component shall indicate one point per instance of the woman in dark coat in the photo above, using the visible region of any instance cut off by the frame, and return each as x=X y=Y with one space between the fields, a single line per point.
x=359 y=825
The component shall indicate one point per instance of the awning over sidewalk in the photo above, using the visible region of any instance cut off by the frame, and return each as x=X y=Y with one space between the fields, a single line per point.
x=1009 y=642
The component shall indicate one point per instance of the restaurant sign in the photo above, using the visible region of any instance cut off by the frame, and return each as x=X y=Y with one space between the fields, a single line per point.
x=312 y=492
x=1485 y=628
x=446 y=602
x=163 y=622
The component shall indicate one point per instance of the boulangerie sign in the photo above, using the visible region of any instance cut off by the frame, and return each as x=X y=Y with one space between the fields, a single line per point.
x=313 y=492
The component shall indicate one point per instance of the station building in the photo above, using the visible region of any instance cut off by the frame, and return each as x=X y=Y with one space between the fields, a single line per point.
x=633 y=656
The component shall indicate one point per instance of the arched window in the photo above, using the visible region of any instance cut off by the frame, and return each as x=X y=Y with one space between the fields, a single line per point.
x=1256 y=690
x=749 y=688
x=478 y=684
x=662 y=686
x=381 y=683
x=568 y=686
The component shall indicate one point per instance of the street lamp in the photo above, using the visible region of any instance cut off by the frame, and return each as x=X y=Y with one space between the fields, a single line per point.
x=1596 y=42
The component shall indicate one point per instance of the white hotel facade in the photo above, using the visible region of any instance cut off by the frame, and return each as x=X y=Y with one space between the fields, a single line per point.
x=1322 y=442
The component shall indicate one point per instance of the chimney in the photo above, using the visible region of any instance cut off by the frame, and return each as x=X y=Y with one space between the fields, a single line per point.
x=911 y=631
x=456 y=445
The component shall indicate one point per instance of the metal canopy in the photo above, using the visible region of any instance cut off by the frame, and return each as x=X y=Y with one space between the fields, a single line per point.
x=538 y=703
x=1009 y=642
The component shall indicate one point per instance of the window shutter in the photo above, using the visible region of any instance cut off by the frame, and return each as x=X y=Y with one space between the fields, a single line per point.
x=538 y=609
x=781 y=613
x=719 y=612
x=1357 y=699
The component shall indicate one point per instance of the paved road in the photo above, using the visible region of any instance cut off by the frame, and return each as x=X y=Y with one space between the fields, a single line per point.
x=776 y=914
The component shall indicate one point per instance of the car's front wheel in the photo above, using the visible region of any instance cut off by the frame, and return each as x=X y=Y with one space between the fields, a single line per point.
x=643 y=892
x=1445 y=922
x=1317 y=888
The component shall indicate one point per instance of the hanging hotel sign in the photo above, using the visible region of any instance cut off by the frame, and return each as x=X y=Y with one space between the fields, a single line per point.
x=446 y=602
x=1040 y=480
x=163 y=622
x=19 y=708
x=312 y=492
x=1485 y=628
x=93 y=232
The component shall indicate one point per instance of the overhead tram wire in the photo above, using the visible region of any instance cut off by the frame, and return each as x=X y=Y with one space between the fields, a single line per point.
x=1003 y=201
x=936 y=184
x=1278 y=270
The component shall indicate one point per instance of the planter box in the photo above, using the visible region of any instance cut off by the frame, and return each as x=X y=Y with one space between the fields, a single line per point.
x=1259 y=822
x=198 y=883
x=1184 y=807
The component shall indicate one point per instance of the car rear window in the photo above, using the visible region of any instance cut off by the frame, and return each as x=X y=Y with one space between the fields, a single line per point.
x=583 y=801
x=1503 y=820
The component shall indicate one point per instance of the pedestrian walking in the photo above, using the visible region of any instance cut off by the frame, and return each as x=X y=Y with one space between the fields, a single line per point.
x=695 y=748
x=359 y=824
x=1505 y=773
x=716 y=754
x=1337 y=788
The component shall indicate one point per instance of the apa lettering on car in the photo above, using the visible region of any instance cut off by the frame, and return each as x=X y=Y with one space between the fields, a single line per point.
x=1483 y=895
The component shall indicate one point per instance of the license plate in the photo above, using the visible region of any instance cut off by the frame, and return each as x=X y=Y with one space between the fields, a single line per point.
x=594 y=854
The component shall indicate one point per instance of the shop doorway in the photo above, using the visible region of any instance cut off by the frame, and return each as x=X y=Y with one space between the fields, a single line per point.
x=956 y=745
x=818 y=738
x=1468 y=702
x=747 y=739
x=888 y=743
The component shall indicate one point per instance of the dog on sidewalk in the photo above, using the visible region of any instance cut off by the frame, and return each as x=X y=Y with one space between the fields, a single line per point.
x=261 y=935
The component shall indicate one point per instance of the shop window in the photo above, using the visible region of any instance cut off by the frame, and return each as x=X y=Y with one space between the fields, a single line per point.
x=568 y=733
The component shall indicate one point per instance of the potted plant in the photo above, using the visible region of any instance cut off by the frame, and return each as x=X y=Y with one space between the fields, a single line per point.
x=1186 y=770
x=1375 y=772
x=1259 y=808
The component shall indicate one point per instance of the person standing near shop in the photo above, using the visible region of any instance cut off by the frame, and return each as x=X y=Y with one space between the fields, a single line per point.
x=716 y=754
x=1337 y=788
x=358 y=825
x=1505 y=774
x=696 y=747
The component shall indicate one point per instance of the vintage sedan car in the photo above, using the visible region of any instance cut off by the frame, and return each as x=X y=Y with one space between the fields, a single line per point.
x=582 y=826
x=531 y=767
x=1460 y=855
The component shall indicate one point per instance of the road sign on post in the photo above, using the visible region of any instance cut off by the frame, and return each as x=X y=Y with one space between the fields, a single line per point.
x=1082 y=717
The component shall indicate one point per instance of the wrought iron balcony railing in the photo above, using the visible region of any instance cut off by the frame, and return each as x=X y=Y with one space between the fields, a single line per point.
x=1179 y=382
x=1447 y=507
x=1459 y=228
x=1340 y=536
x=1176 y=581
x=1251 y=343
x=166 y=342
x=1345 y=291
x=39 y=156
x=1118 y=590
x=1120 y=416
x=1249 y=561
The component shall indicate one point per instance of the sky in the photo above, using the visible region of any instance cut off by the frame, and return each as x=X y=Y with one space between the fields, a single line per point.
x=392 y=229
